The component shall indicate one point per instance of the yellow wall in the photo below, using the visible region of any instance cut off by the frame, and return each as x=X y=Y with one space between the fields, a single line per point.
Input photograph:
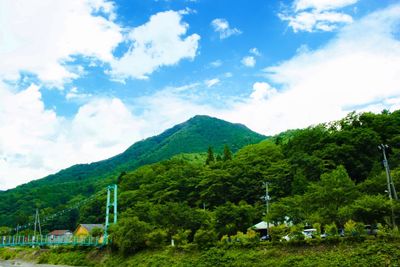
x=80 y=231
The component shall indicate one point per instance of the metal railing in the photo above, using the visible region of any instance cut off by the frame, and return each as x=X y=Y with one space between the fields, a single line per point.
x=43 y=240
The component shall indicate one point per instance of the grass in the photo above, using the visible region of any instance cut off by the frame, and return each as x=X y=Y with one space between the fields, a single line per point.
x=366 y=253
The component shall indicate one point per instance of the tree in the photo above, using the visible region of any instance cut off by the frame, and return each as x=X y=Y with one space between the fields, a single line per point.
x=96 y=232
x=227 y=153
x=335 y=190
x=368 y=209
x=130 y=234
x=210 y=156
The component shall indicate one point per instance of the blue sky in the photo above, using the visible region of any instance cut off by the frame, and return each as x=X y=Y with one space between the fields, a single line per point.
x=80 y=81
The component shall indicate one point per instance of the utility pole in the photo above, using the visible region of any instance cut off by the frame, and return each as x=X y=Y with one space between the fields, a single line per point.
x=37 y=223
x=390 y=185
x=267 y=204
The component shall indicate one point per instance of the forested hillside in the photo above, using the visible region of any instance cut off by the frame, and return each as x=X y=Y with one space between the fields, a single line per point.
x=76 y=183
x=329 y=176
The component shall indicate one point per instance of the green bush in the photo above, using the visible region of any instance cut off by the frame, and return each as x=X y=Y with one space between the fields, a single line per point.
x=181 y=238
x=130 y=234
x=331 y=229
x=277 y=232
x=156 y=238
x=350 y=228
x=205 y=238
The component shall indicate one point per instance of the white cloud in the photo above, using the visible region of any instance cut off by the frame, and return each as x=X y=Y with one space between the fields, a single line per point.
x=322 y=4
x=262 y=91
x=249 y=61
x=228 y=74
x=35 y=142
x=311 y=21
x=75 y=94
x=354 y=71
x=103 y=127
x=357 y=70
x=159 y=42
x=216 y=63
x=44 y=35
x=317 y=15
x=211 y=82
x=255 y=51
x=221 y=26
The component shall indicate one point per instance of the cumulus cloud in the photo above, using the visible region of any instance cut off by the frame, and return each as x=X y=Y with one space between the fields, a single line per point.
x=35 y=141
x=317 y=15
x=249 y=61
x=262 y=91
x=357 y=70
x=159 y=42
x=43 y=37
x=222 y=27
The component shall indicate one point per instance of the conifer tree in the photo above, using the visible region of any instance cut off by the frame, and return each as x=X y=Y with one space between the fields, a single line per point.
x=210 y=156
x=227 y=153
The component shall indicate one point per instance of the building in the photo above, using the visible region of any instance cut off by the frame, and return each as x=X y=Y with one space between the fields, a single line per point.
x=59 y=234
x=86 y=229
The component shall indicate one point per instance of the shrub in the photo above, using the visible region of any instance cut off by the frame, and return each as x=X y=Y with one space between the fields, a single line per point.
x=156 y=238
x=205 y=238
x=129 y=235
x=181 y=238
x=279 y=231
x=331 y=229
x=350 y=228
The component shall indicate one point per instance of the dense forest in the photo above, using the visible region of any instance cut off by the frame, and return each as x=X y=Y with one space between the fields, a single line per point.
x=328 y=176
x=72 y=185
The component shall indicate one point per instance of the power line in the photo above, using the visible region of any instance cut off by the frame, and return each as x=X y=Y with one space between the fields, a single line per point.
x=51 y=217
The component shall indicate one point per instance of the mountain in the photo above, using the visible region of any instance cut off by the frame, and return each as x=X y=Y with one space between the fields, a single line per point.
x=82 y=180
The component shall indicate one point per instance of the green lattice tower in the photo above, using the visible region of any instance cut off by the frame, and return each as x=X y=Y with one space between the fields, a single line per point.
x=109 y=204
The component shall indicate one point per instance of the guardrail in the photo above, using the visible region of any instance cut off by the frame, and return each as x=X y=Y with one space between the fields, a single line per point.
x=40 y=240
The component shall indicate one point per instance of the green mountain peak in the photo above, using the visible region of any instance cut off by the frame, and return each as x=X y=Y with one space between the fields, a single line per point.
x=192 y=136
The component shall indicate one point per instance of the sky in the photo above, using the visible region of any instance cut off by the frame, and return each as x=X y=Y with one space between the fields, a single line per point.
x=82 y=80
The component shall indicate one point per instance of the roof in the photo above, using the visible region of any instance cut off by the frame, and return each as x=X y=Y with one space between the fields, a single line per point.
x=90 y=227
x=59 y=232
x=260 y=225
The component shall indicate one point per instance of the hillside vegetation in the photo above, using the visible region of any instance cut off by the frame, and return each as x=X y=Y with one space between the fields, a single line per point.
x=329 y=176
x=76 y=183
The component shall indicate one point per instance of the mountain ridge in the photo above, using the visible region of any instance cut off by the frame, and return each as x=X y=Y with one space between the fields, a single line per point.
x=191 y=136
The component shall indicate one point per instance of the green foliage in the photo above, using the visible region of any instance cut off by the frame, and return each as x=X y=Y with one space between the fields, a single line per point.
x=331 y=229
x=278 y=231
x=96 y=232
x=210 y=156
x=181 y=238
x=231 y=218
x=156 y=238
x=130 y=234
x=323 y=176
x=205 y=238
x=227 y=154
x=57 y=191
x=350 y=228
